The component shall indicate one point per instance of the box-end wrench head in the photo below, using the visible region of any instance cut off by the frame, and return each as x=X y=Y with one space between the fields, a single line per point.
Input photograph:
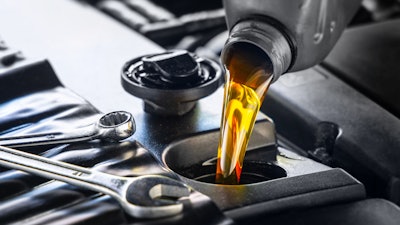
x=113 y=127
x=116 y=126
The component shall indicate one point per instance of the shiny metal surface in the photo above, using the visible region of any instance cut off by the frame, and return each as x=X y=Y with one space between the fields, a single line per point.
x=149 y=196
x=312 y=27
x=112 y=126
x=293 y=178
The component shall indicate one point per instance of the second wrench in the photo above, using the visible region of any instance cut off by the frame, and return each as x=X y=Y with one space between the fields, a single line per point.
x=149 y=196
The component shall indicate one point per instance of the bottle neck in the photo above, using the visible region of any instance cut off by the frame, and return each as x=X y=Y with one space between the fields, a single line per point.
x=267 y=38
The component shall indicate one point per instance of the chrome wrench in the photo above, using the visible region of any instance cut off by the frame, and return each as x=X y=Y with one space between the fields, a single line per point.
x=148 y=196
x=112 y=126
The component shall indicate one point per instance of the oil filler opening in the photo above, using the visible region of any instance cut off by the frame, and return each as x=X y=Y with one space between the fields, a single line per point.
x=196 y=162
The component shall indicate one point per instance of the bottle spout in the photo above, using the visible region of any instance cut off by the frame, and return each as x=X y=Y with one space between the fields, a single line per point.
x=265 y=37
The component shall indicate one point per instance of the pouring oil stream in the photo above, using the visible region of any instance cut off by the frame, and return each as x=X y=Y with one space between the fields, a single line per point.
x=248 y=76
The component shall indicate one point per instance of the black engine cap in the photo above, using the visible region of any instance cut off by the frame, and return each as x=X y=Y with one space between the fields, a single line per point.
x=171 y=82
x=174 y=67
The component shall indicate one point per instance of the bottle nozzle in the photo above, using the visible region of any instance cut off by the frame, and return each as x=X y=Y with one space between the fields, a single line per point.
x=266 y=37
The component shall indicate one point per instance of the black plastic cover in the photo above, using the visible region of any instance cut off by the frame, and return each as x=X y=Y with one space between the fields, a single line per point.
x=367 y=58
x=368 y=144
x=366 y=212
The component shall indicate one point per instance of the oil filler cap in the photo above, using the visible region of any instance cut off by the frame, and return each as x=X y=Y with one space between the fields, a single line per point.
x=170 y=83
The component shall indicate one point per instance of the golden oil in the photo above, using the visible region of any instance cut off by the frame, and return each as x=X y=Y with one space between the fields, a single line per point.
x=248 y=76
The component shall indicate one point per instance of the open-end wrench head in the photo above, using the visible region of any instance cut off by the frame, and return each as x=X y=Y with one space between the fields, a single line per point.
x=155 y=196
